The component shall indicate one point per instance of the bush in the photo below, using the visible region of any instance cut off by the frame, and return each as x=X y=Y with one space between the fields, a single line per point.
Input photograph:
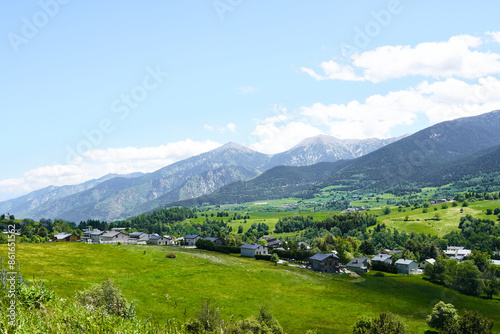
x=171 y=255
x=386 y=323
x=386 y=267
x=442 y=316
x=34 y=294
x=263 y=257
x=108 y=298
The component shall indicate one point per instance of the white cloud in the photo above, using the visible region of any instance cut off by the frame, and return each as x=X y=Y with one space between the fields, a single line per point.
x=277 y=134
x=456 y=57
x=231 y=127
x=98 y=162
x=378 y=114
x=495 y=35
x=247 y=90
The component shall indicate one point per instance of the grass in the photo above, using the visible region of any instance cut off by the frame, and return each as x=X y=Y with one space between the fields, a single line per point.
x=174 y=288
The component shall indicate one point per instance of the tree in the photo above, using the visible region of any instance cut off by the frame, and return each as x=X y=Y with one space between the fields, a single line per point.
x=491 y=280
x=386 y=323
x=262 y=242
x=442 y=315
x=387 y=211
x=480 y=259
x=275 y=258
x=468 y=279
x=436 y=273
x=474 y=322
x=367 y=248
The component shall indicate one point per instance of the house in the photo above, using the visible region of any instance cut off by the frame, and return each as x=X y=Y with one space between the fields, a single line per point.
x=113 y=237
x=250 y=250
x=495 y=262
x=139 y=238
x=304 y=245
x=272 y=242
x=383 y=258
x=427 y=262
x=407 y=266
x=328 y=263
x=164 y=240
x=95 y=236
x=65 y=237
x=216 y=241
x=358 y=264
x=456 y=252
x=190 y=239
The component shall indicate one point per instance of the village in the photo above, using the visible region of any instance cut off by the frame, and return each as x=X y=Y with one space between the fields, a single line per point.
x=320 y=262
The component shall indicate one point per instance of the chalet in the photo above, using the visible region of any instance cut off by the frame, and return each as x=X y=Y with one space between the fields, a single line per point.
x=95 y=236
x=190 y=239
x=384 y=258
x=65 y=237
x=327 y=263
x=358 y=264
x=250 y=250
x=164 y=240
x=113 y=237
x=272 y=242
x=427 y=262
x=216 y=241
x=407 y=266
x=458 y=253
x=139 y=238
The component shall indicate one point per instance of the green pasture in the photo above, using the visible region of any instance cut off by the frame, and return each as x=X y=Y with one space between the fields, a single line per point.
x=168 y=288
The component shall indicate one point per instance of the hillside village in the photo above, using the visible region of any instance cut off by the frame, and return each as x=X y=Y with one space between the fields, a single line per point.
x=320 y=262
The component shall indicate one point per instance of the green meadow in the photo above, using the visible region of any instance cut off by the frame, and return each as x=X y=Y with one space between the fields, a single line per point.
x=167 y=288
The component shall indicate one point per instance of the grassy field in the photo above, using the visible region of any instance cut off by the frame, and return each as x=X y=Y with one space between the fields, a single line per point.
x=425 y=222
x=174 y=288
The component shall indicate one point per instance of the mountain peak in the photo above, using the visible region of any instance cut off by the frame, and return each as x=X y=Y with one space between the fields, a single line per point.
x=233 y=145
x=319 y=139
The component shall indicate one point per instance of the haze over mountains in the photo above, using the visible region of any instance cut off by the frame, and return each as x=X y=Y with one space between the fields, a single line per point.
x=121 y=196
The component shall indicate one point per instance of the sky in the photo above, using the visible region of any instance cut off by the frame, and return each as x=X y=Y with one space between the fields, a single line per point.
x=90 y=88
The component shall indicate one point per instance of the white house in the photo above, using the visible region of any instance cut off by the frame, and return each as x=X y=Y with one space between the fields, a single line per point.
x=427 y=262
x=113 y=237
x=139 y=238
x=456 y=252
x=250 y=250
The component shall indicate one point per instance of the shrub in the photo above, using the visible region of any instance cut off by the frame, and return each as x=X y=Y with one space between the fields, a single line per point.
x=171 y=255
x=108 y=298
x=386 y=323
x=35 y=294
x=442 y=315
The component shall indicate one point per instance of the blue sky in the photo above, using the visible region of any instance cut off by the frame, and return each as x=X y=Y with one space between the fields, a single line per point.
x=91 y=88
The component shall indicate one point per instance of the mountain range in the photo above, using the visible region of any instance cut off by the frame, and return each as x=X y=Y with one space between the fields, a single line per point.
x=437 y=155
x=121 y=196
